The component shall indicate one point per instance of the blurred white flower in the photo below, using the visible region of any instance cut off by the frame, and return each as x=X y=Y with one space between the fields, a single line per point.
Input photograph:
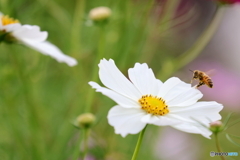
x=146 y=100
x=32 y=37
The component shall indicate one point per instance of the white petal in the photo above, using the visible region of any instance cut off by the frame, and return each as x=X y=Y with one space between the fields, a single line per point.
x=11 y=27
x=193 y=128
x=1 y=14
x=144 y=80
x=204 y=112
x=185 y=97
x=172 y=87
x=51 y=50
x=28 y=33
x=196 y=118
x=160 y=120
x=126 y=120
x=112 y=78
x=118 y=98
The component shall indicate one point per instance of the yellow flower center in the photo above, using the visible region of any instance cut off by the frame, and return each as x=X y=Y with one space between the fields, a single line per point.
x=153 y=105
x=7 y=20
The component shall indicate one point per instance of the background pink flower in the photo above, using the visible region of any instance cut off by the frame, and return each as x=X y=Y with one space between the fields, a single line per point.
x=174 y=144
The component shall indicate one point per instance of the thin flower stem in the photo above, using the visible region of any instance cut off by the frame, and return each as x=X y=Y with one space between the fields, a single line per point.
x=76 y=26
x=127 y=49
x=33 y=117
x=196 y=49
x=16 y=134
x=167 y=14
x=75 y=39
x=85 y=142
x=83 y=139
x=101 y=50
x=138 y=144
x=77 y=148
x=218 y=145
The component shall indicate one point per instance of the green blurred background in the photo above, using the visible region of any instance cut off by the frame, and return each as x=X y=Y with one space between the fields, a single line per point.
x=40 y=98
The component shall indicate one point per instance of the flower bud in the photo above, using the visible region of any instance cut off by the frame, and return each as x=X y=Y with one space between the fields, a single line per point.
x=85 y=120
x=216 y=126
x=100 y=13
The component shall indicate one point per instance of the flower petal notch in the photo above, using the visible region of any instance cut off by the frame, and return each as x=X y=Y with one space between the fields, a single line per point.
x=13 y=31
x=142 y=99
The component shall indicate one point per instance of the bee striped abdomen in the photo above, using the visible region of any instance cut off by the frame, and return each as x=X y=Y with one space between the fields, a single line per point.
x=210 y=83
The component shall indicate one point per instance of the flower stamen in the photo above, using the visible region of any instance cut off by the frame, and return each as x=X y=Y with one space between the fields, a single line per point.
x=153 y=105
x=6 y=20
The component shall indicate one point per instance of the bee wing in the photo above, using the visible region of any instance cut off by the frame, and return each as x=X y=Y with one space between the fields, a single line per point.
x=211 y=72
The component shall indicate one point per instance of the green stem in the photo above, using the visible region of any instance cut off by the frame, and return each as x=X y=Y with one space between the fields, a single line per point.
x=167 y=14
x=83 y=138
x=128 y=51
x=12 y=122
x=57 y=11
x=77 y=148
x=138 y=144
x=75 y=45
x=33 y=117
x=4 y=6
x=218 y=145
x=195 y=50
x=76 y=26
x=101 y=50
x=85 y=143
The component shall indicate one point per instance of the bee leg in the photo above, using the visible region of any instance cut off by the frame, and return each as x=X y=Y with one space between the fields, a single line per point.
x=200 y=84
x=191 y=81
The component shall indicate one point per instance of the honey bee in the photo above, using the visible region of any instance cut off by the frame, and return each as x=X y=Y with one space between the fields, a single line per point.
x=203 y=78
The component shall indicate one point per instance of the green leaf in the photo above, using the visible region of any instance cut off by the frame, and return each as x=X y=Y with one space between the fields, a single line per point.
x=231 y=140
x=232 y=124
x=238 y=137
x=226 y=121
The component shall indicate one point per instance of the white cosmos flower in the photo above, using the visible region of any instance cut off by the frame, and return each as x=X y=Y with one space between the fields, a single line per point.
x=146 y=100
x=32 y=37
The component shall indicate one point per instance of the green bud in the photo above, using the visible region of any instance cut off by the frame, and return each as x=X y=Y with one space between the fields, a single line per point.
x=216 y=126
x=85 y=120
x=100 y=14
